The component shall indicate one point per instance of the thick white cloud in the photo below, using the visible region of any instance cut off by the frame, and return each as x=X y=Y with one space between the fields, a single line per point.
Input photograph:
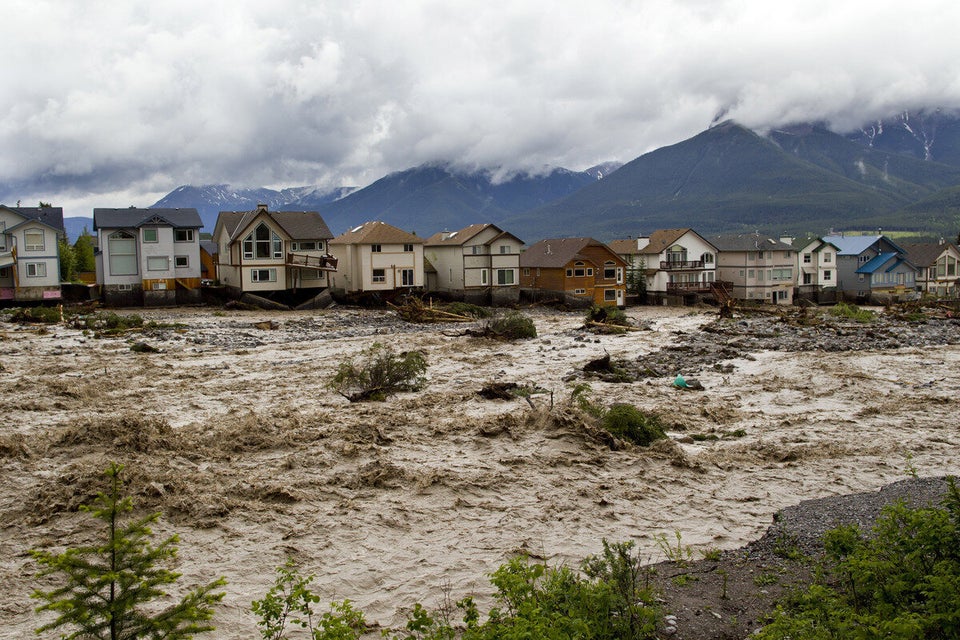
x=104 y=98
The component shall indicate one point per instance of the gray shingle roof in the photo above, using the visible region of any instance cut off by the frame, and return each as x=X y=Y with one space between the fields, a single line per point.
x=749 y=242
x=133 y=217
x=50 y=216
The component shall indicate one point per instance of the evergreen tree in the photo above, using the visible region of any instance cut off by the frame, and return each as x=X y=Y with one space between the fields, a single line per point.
x=109 y=591
x=68 y=261
x=83 y=250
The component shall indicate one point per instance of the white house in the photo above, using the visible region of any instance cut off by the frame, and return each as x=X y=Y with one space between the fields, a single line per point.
x=674 y=262
x=376 y=256
x=939 y=267
x=479 y=263
x=816 y=269
x=148 y=256
x=263 y=251
x=29 y=253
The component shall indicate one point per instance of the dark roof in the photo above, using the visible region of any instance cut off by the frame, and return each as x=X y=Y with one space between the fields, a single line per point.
x=749 y=242
x=299 y=225
x=210 y=246
x=554 y=253
x=50 y=216
x=462 y=236
x=132 y=217
x=925 y=254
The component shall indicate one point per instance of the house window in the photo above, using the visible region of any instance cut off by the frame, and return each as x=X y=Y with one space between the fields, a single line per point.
x=752 y=255
x=505 y=276
x=707 y=258
x=262 y=243
x=807 y=258
x=751 y=273
x=677 y=254
x=123 y=254
x=304 y=246
x=151 y=235
x=579 y=292
x=4 y=272
x=828 y=257
x=504 y=248
x=783 y=274
x=808 y=278
x=610 y=295
x=569 y=273
x=263 y=275
x=125 y=287
x=589 y=272
x=406 y=277
x=183 y=235
x=33 y=240
x=609 y=270
x=526 y=271
x=827 y=275
x=483 y=276
x=579 y=270
x=863 y=259
x=408 y=248
x=476 y=249
x=379 y=275
x=36 y=269
x=375 y=248
x=859 y=278
x=158 y=263
x=159 y=286
x=181 y=262
x=742 y=273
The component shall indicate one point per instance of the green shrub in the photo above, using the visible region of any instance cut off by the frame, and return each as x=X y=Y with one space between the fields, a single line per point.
x=46 y=315
x=378 y=373
x=903 y=582
x=608 y=315
x=511 y=326
x=608 y=600
x=629 y=423
x=852 y=312
x=467 y=309
x=289 y=602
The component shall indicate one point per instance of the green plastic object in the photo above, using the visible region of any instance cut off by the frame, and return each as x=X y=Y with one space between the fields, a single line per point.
x=680 y=382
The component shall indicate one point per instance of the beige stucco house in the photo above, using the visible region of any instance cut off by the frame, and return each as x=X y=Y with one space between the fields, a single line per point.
x=479 y=263
x=376 y=256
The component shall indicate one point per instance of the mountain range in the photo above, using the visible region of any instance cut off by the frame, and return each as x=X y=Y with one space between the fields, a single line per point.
x=899 y=173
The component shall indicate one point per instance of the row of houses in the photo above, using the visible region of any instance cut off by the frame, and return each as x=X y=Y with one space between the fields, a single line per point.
x=156 y=257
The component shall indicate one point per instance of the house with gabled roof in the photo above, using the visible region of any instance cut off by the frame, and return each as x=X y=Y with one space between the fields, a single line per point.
x=677 y=263
x=938 y=267
x=579 y=270
x=871 y=266
x=148 y=256
x=759 y=268
x=29 y=253
x=376 y=256
x=479 y=264
x=268 y=252
x=816 y=269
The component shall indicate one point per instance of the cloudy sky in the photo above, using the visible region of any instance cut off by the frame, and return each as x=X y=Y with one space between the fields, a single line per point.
x=111 y=103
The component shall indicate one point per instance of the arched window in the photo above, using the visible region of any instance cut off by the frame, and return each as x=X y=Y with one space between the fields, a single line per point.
x=707 y=258
x=262 y=243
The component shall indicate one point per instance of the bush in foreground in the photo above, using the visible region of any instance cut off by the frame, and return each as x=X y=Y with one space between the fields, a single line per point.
x=903 y=582
x=511 y=326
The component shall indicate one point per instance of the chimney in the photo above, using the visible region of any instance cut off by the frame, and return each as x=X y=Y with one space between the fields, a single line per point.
x=261 y=207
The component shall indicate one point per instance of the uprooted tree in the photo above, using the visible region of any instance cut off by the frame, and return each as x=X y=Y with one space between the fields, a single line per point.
x=111 y=590
x=379 y=372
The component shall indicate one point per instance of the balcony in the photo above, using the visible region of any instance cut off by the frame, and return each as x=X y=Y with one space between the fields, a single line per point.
x=688 y=287
x=680 y=265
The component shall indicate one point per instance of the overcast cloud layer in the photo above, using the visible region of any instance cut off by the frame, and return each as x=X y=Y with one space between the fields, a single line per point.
x=117 y=103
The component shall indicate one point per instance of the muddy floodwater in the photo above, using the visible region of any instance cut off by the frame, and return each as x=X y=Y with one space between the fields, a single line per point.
x=232 y=431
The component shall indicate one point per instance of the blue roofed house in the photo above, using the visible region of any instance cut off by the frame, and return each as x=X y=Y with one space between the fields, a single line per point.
x=148 y=256
x=29 y=253
x=872 y=268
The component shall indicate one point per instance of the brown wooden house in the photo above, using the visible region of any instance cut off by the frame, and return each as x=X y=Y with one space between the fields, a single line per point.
x=579 y=269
